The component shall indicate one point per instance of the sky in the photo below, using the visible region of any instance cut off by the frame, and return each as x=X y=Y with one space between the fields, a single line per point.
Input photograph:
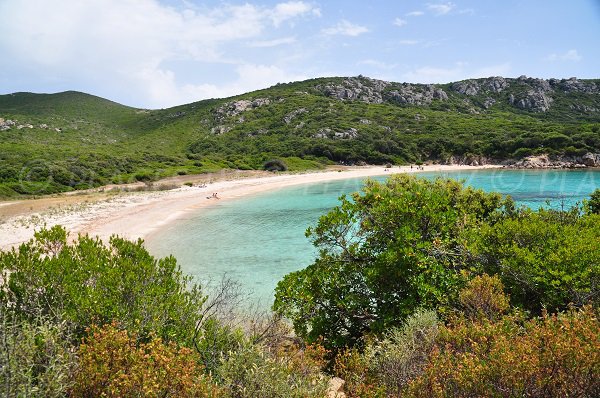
x=162 y=53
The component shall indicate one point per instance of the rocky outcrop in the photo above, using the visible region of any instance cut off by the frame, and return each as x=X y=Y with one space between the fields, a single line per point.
x=326 y=132
x=583 y=108
x=356 y=88
x=474 y=87
x=292 y=115
x=525 y=93
x=533 y=100
x=470 y=160
x=573 y=85
x=409 y=94
x=591 y=159
x=235 y=108
x=6 y=124
x=220 y=129
x=561 y=162
x=374 y=91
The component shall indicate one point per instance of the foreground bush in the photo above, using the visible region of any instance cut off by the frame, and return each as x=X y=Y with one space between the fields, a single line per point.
x=254 y=372
x=36 y=358
x=554 y=356
x=387 y=365
x=113 y=364
x=88 y=282
x=545 y=259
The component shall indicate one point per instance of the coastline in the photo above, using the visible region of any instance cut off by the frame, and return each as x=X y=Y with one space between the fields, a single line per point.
x=135 y=215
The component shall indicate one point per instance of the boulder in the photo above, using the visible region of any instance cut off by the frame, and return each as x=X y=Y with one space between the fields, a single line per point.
x=336 y=388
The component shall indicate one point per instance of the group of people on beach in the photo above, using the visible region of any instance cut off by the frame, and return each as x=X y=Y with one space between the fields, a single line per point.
x=214 y=195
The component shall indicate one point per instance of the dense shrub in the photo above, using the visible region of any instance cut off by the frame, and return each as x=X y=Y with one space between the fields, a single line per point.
x=484 y=297
x=545 y=259
x=404 y=351
x=554 y=356
x=275 y=165
x=593 y=203
x=254 y=372
x=87 y=281
x=113 y=364
x=387 y=365
x=36 y=357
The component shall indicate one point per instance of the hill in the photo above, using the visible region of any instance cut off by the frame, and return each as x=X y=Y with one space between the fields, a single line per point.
x=58 y=142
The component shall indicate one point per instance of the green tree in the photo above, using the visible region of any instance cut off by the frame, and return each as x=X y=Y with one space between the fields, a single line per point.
x=396 y=247
x=594 y=202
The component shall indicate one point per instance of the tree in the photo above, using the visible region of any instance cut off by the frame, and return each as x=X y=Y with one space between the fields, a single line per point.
x=396 y=247
x=594 y=202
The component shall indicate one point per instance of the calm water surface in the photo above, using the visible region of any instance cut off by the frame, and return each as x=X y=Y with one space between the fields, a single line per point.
x=258 y=240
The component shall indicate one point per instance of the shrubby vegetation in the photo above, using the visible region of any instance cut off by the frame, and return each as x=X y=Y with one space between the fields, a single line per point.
x=410 y=243
x=421 y=289
x=101 y=142
x=397 y=247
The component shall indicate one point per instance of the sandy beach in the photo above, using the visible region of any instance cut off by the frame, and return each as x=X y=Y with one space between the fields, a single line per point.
x=138 y=214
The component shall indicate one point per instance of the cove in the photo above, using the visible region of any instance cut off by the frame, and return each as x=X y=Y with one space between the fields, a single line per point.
x=257 y=240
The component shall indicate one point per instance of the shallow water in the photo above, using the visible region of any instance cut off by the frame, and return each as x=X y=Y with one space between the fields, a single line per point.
x=258 y=240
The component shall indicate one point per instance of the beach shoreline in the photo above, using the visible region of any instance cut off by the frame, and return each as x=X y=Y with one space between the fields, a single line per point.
x=135 y=215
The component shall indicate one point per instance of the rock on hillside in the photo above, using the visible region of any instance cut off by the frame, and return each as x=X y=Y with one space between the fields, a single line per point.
x=524 y=93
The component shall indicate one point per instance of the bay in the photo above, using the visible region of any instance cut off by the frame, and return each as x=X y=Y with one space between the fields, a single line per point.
x=259 y=239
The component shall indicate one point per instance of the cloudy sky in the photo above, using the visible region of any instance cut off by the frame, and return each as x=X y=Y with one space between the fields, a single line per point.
x=161 y=53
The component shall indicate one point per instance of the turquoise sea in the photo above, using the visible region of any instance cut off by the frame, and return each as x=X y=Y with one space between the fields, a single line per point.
x=257 y=240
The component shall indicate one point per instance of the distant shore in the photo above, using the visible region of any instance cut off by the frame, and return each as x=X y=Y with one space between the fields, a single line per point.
x=136 y=215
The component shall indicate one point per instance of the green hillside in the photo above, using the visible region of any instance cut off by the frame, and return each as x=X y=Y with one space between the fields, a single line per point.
x=59 y=142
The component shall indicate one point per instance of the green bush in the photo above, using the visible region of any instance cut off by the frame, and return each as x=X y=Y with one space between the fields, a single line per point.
x=545 y=259
x=593 y=204
x=36 y=359
x=253 y=372
x=275 y=165
x=89 y=282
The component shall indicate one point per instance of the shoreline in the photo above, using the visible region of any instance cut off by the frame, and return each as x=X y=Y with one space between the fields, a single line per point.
x=135 y=215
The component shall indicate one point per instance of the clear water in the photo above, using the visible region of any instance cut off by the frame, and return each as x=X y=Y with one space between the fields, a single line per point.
x=258 y=240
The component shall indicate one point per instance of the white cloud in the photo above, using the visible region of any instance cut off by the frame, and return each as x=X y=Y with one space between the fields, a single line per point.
x=460 y=71
x=408 y=42
x=466 y=11
x=378 y=64
x=430 y=74
x=249 y=77
x=345 y=28
x=493 y=70
x=134 y=43
x=415 y=14
x=399 y=22
x=441 y=8
x=273 y=43
x=285 y=11
x=571 y=55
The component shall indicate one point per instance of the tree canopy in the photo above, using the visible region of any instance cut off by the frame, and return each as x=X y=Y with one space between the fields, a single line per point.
x=410 y=243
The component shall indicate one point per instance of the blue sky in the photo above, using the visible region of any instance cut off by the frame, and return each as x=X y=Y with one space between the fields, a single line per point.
x=160 y=53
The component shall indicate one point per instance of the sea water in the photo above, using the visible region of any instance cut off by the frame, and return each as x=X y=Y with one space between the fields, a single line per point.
x=257 y=240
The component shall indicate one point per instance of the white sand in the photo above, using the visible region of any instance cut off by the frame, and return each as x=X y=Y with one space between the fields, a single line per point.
x=138 y=215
